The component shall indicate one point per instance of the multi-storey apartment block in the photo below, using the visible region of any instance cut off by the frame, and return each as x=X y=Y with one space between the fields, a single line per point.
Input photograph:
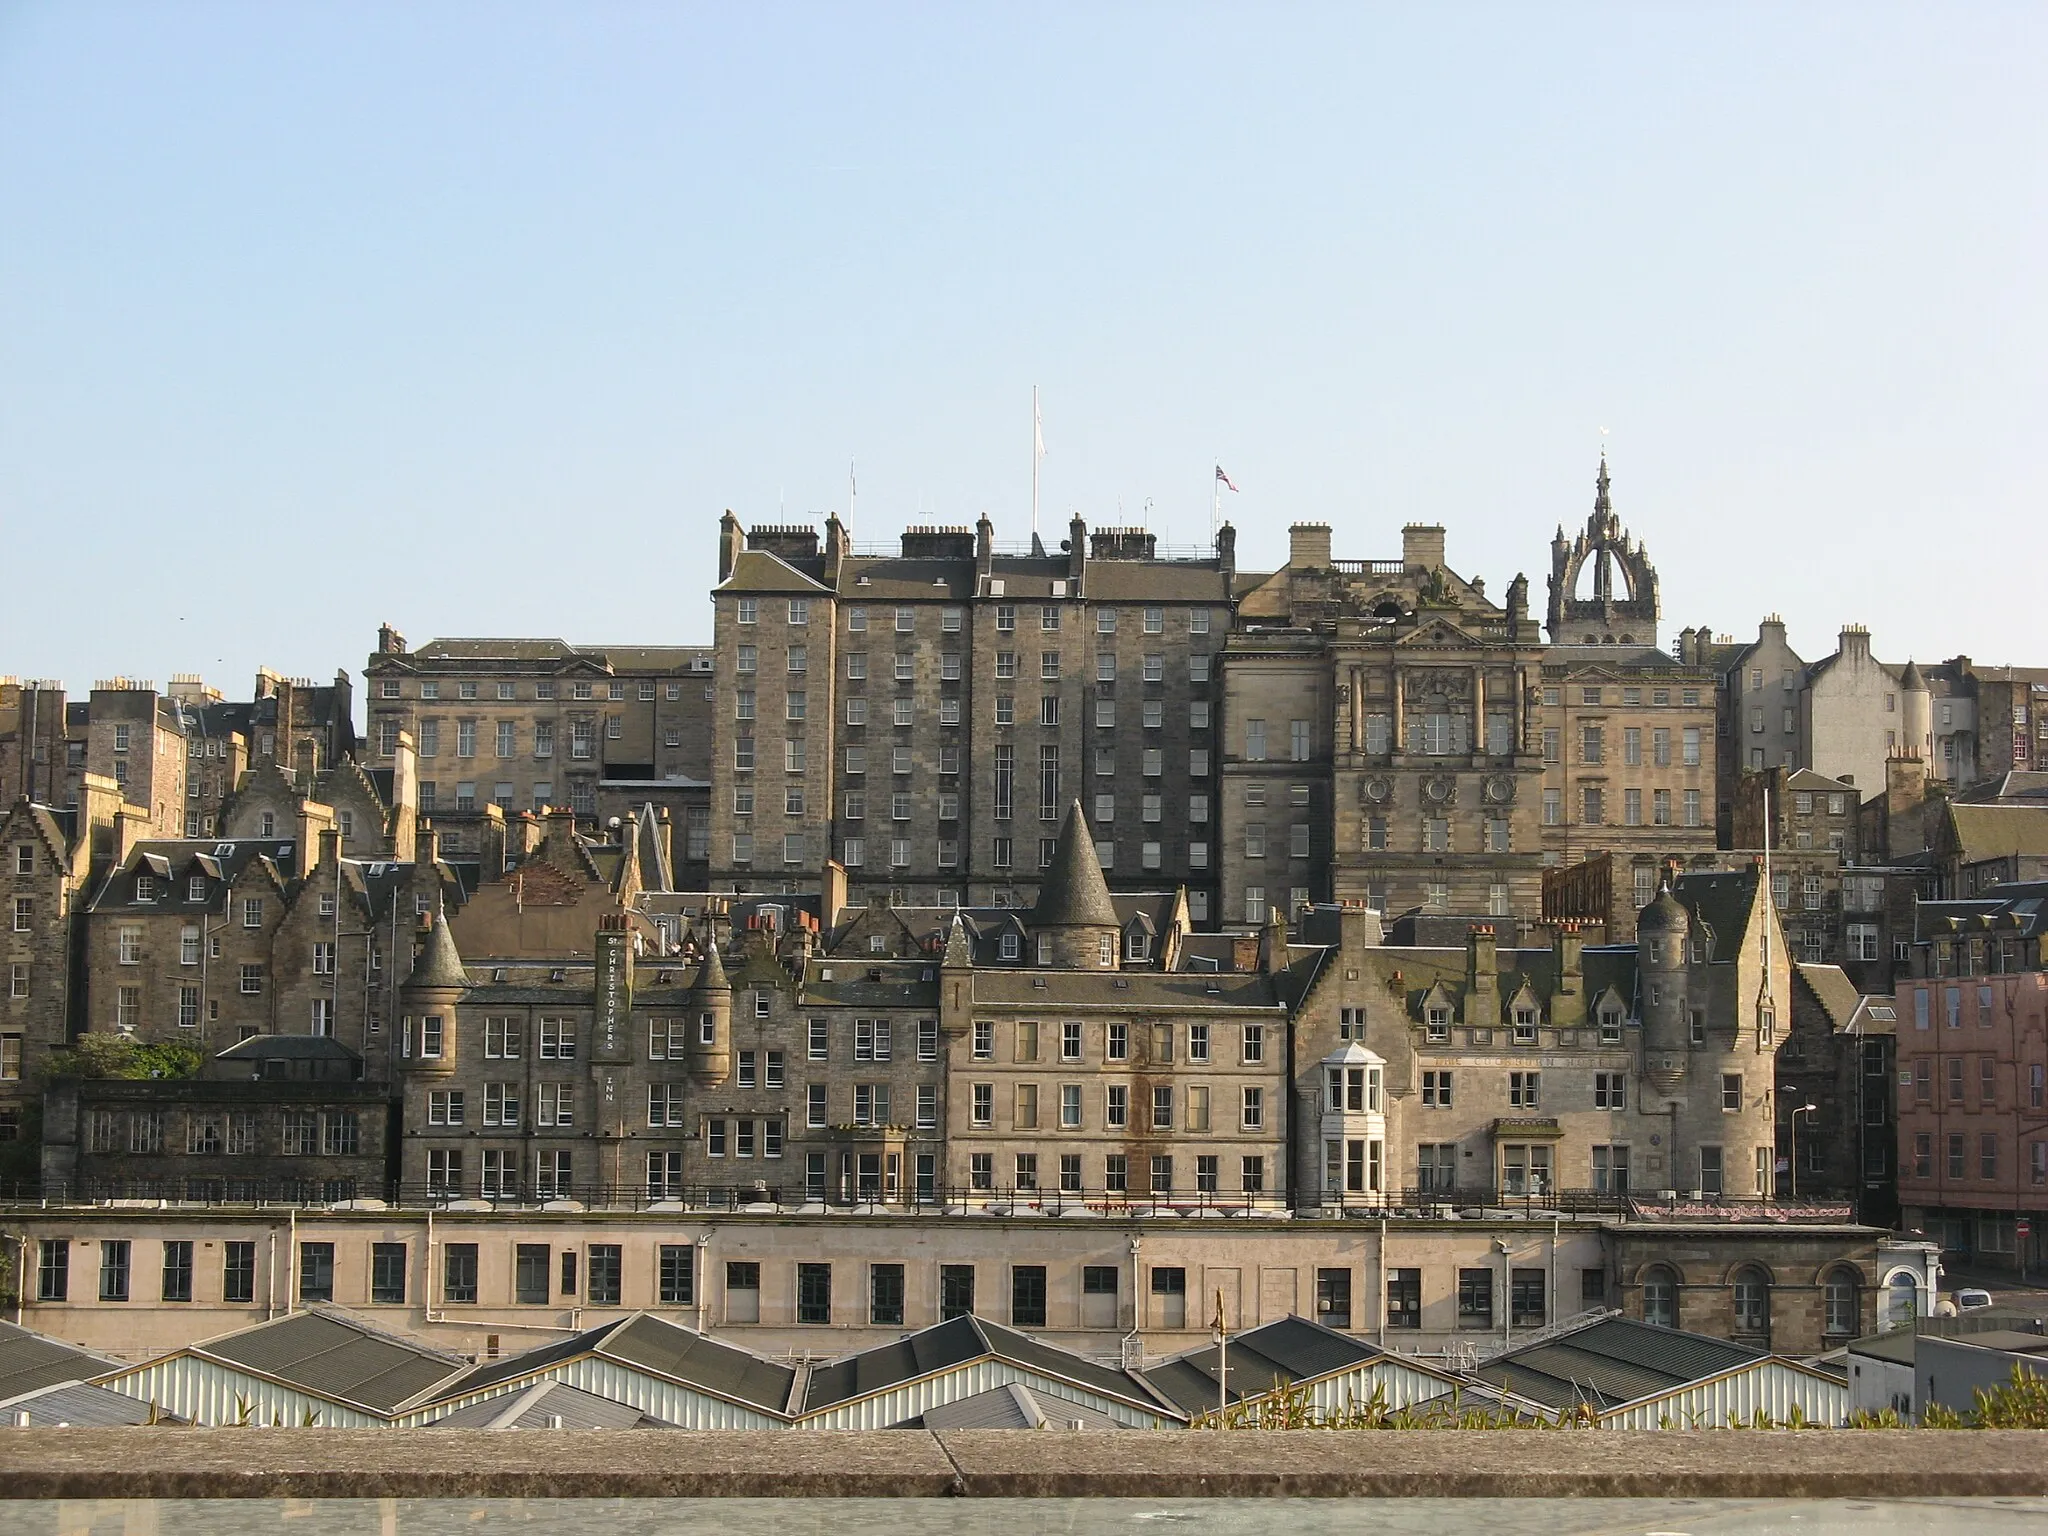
x=923 y=718
x=525 y=724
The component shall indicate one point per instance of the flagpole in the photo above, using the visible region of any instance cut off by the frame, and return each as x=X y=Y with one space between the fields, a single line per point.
x=1037 y=452
x=1215 y=503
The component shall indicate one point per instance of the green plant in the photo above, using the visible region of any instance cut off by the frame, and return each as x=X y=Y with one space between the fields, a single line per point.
x=123 y=1056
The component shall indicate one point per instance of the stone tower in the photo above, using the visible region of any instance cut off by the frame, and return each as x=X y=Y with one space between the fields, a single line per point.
x=1660 y=962
x=1074 y=911
x=711 y=1042
x=429 y=997
x=1602 y=618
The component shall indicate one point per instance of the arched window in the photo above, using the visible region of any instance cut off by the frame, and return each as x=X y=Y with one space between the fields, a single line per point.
x=1838 y=1293
x=1752 y=1301
x=1660 y=1298
x=1901 y=1299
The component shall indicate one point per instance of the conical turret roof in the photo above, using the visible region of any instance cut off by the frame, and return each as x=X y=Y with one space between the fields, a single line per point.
x=1073 y=893
x=439 y=963
x=1910 y=680
x=711 y=974
x=1665 y=915
x=958 y=950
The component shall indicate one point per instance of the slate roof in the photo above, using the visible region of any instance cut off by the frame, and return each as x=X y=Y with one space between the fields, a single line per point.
x=1612 y=1361
x=1073 y=893
x=2023 y=903
x=330 y=1354
x=538 y=1405
x=957 y=1342
x=652 y=1344
x=1992 y=831
x=439 y=964
x=31 y=1360
x=757 y=570
x=222 y=860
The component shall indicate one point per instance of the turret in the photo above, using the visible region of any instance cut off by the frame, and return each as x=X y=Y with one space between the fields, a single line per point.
x=1661 y=977
x=1074 y=912
x=711 y=1001
x=430 y=998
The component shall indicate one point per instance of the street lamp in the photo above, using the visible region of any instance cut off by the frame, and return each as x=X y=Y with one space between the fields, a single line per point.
x=1792 y=1160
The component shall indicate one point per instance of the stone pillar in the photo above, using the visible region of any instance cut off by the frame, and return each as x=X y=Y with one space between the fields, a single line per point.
x=1400 y=709
x=1479 y=709
x=1357 y=709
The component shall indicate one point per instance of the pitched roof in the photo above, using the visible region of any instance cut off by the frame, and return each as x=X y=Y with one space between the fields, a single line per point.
x=30 y=1360
x=956 y=1342
x=328 y=1353
x=1011 y=1406
x=81 y=1404
x=1291 y=1350
x=653 y=1344
x=1611 y=1361
x=758 y=570
x=549 y=1405
x=1990 y=831
x=1073 y=893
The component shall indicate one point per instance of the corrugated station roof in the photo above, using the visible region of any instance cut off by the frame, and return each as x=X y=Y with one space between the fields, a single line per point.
x=541 y=1405
x=80 y=1404
x=1612 y=1361
x=29 y=1360
x=1292 y=1349
x=958 y=1342
x=1012 y=1406
x=650 y=1343
x=330 y=1354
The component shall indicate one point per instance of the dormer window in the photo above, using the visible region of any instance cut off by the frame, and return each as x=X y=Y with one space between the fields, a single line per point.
x=1610 y=1026
x=1525 y=1024
x=1137 y=947
x=195 y=888
x=1437 y=1023
x=1011 y=946
x=145 y=888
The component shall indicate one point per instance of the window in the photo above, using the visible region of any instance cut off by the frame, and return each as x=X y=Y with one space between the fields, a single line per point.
x=1840 y=1304
x=238 y=1272
x=1711 y=1172
x=1731 y=1093
x=1525 y=1090
x=1610 y=1090
x=316 y=1272
x=1660 y=1298
x=1436 y=1090
x=1475 y=1299
x=1404 y=1298
x=1526 y=1294
x=1752 y=1302
x=1255 y=741
x=177 y=1271
x=114 y=1258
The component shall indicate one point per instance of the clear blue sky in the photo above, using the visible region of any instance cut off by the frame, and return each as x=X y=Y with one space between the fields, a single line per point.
x=473 y=317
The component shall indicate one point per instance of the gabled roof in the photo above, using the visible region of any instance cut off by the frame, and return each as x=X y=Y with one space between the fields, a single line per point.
x=81 y=1404
x=1993 y=831
x=1611 y=1361
x=549 y=1405
x=1073 y=893
x=30 y=1360
x=758 y=570
x=292 y=1047
x=961 y=1341
x=1292 y=1350
x=325 y=1352
x=652 y=1344
x=1011 y=1406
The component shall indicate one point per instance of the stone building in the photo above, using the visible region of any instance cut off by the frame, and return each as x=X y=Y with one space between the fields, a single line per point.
x=1757 y=708
x=1973 y=1076
x=525 y=724
x=1837 y=1125
x=1628 y=728
x=923 y=716
x=1504 y=1072
x=481 y=1280
x=274 y=1117
x=1419 y=702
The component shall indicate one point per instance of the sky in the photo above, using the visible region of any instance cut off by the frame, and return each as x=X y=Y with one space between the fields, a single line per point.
x=472 y=318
